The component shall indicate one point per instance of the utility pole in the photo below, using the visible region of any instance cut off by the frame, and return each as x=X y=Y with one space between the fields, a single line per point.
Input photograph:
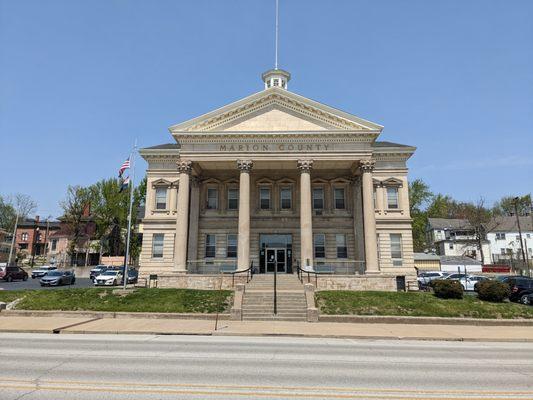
x=13 y=239
x=520 y=233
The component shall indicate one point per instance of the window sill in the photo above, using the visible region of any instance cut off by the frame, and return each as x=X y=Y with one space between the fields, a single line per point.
x=166 y=211
x=393 y=211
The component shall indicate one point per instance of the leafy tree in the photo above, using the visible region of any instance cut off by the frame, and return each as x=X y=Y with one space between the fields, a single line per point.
x=479 y=217
x=419 y=196
x=110 y=212
x=75 y=208
x=7 y=215
x=505 y=206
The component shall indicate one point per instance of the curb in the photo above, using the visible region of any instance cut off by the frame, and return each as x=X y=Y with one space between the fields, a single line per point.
x=112 y=315
x=374 y=319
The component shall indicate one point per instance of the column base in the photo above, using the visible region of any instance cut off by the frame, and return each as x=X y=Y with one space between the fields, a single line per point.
x=372 y=273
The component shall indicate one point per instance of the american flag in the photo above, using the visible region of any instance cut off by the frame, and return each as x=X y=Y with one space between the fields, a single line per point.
x=125 y=165
x=124 y=184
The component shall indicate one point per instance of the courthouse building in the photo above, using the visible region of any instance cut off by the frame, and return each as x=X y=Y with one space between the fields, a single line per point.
x=277 y=180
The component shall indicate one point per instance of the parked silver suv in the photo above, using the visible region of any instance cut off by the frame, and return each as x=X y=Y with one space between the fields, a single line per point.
x=424 y=278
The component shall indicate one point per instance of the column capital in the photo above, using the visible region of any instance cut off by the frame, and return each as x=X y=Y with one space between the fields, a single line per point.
x=245 y=165
x=305 y=165
x=184 y=166
x=367 y=165
x=195 y=181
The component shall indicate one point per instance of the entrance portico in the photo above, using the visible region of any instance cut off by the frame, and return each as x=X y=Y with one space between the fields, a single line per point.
x=274 y=166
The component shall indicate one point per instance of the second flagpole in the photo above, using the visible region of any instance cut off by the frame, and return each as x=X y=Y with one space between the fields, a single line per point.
x=128 y=240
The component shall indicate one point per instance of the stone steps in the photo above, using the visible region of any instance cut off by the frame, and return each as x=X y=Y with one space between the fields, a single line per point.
x=258 y=301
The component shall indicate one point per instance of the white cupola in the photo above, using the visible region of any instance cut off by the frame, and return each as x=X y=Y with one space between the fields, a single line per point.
x=276 y=78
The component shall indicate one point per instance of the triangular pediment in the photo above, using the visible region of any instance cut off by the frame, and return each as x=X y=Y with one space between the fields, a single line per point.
x=275 y=110
x=275 y=118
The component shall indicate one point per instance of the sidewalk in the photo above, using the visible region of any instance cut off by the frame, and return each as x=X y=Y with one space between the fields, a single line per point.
x=266 y=328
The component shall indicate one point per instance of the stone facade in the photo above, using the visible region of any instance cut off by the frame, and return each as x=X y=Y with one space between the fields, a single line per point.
x=278 y=180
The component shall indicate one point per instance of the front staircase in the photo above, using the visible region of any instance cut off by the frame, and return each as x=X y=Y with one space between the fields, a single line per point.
x=258 y=301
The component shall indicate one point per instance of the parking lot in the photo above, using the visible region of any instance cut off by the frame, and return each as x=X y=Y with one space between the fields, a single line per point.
x=34 y=284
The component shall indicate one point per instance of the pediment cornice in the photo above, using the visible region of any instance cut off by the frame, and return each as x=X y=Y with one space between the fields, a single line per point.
x=281 y=99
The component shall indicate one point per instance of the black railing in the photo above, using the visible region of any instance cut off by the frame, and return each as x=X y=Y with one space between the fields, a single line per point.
x=249 y=274
x=302 y=272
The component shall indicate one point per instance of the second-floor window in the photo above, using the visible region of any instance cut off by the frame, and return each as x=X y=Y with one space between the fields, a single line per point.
x=212 y=199
x=24 y=236
x=233 y=199
x=54 y=244
x=318 y=198
x=339 y=198
x=500 y=236
x=264 y=198
x=161 y=198
x=392 y=197
x=286 y=198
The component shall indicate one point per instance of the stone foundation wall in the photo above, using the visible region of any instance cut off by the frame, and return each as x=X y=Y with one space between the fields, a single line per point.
x=204 y=282
x=385 y=283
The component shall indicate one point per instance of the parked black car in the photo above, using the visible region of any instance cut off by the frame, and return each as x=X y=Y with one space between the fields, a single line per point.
x=12 y=273
x=58 y=278
x=521 y=287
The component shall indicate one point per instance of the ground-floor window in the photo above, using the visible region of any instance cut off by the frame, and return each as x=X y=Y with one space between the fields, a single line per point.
x=342 y=249
x=157 y=245
x=396 y=249
x=210 y=246
x=320 y=245
x=231 y=250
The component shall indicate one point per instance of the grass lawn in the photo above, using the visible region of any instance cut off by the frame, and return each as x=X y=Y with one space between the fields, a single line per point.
x=415 y=304
x=140 y=300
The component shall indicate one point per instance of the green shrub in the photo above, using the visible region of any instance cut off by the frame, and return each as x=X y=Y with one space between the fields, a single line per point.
x=493 y=291
x=448 y=289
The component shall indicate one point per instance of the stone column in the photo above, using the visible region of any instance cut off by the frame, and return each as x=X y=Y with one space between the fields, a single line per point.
x=369 y=217
x=194 y=215
x=306 y=216
x=182 y=219
x=243 y=242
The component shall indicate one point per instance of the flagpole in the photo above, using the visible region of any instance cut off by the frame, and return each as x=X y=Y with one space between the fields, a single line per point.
x=132 y=186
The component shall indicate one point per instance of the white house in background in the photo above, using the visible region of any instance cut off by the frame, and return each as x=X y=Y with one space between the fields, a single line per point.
x=504 y=238
x=455 y=238
x=454 y=264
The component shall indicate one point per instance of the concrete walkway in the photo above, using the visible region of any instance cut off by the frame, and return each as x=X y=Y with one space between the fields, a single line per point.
x=265 y=328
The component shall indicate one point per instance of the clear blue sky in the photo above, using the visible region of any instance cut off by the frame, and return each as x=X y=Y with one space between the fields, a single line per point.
x=79 y=80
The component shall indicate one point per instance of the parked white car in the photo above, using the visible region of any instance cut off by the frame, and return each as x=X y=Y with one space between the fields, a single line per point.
x=108 y=278
x=42 y=271
x=424 y=278
x=468 y=282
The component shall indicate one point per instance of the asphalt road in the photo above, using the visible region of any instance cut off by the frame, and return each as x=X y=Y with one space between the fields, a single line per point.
x=34 y=284
x=37 y=366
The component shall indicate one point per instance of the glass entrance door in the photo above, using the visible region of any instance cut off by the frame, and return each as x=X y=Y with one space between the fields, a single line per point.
x=276 y=260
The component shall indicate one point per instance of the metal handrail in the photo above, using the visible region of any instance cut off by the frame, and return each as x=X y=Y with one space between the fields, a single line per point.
x=249 y=274
x=301 y=271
